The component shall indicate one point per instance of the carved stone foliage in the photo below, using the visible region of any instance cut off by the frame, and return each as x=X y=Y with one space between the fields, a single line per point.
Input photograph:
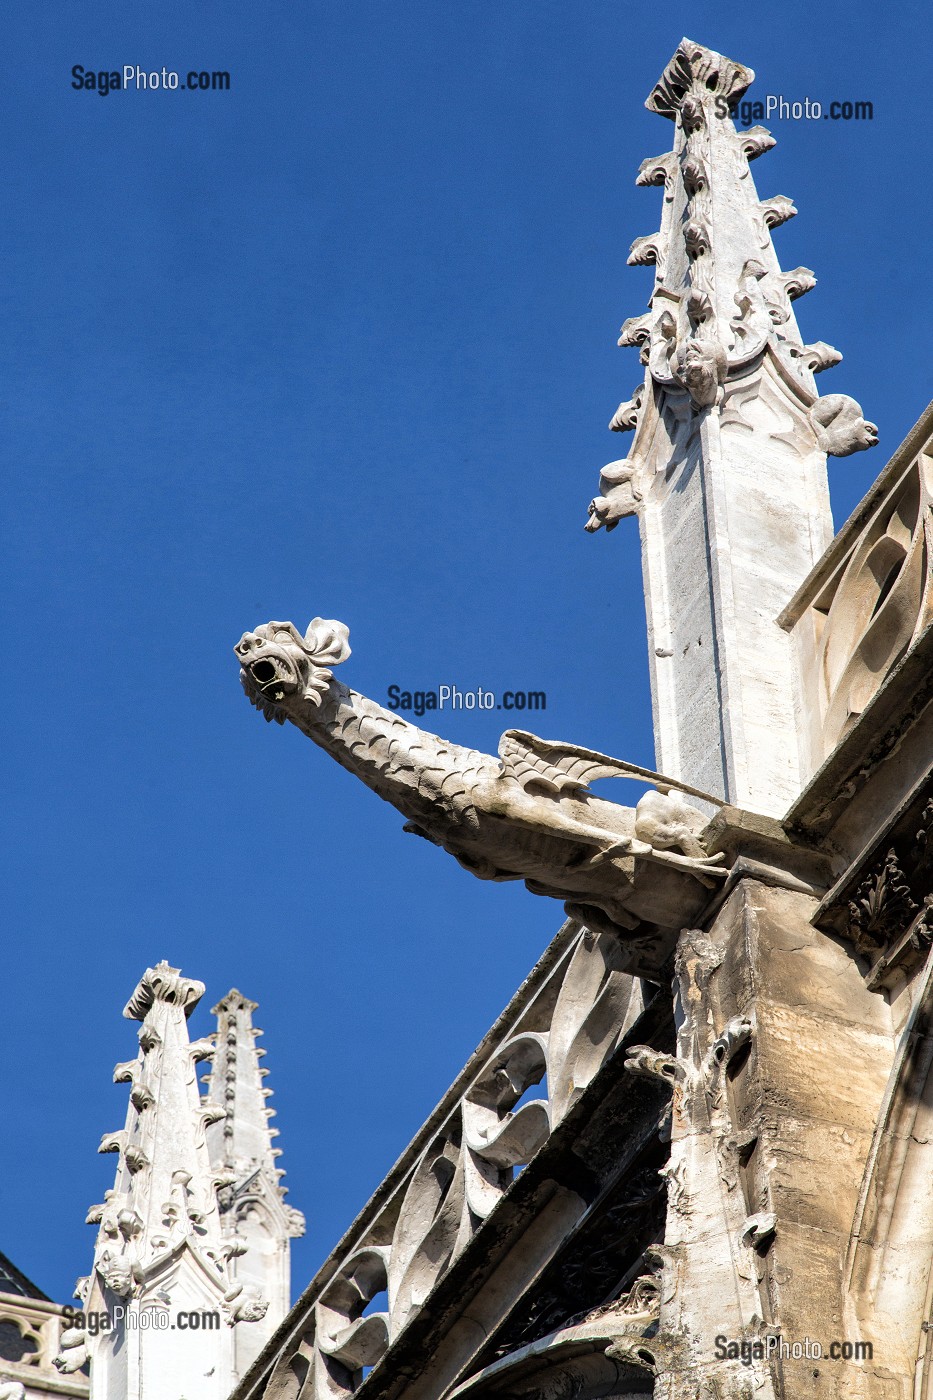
x=558 y=1041
x=625 y=418
x=658 y=170
x=755 y=141
x=889 y=915
x=695 y=67
x=636 y=331
x=877 y=603
x=774 y=212
x=819 y=356
x=647 y=251
x=882 y=907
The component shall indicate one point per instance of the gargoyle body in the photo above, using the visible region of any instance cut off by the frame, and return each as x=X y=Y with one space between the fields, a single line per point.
x=839 y=426
x=524 y=815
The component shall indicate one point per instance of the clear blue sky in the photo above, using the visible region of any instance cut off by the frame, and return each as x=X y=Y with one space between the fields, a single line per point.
x=341 y=341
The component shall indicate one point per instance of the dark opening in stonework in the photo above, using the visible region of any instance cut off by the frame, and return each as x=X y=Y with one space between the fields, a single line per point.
x=13 y=1345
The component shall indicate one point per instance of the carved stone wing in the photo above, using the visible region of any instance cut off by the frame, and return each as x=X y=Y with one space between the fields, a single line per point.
x=568 y=767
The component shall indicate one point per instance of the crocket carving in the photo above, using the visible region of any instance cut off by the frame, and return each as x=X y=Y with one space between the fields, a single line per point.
x=525 y=815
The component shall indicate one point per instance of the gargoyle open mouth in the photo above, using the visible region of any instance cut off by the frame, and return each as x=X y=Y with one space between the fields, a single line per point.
x=272 y=678
x=266 y=669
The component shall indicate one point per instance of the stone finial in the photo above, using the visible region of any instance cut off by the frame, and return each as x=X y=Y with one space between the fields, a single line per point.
x=163 y=983
x=692 y=67
x=242 y=1138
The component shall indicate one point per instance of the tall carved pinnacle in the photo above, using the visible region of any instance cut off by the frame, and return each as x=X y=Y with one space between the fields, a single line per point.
x=160 y=1243
x=727 y=468
x=720 y=297
x=241 y=1139
x=257 y=1223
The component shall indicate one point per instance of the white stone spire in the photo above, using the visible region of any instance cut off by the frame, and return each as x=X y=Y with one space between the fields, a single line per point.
x=727 y=468
x=161 y=1258
x=253 y=1209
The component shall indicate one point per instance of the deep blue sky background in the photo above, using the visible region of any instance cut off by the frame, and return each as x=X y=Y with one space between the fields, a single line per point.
x=342 y=341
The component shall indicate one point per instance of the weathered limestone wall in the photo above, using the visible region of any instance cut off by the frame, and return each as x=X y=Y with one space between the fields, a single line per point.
x=783 y=1058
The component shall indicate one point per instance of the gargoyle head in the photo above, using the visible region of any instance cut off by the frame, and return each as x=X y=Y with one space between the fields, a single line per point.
x=277 y=662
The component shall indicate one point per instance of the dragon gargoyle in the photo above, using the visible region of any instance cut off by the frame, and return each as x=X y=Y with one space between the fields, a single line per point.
x=526 y=815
